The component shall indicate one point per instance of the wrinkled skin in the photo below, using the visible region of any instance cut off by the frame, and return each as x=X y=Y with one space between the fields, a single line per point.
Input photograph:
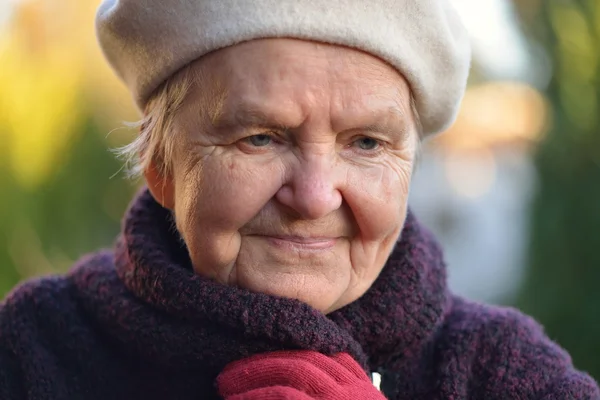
x=291 y=169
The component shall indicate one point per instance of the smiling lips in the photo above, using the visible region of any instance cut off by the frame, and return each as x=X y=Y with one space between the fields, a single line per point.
x=302 y=243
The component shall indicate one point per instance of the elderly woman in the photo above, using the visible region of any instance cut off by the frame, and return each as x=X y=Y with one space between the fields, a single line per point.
x=272 y=255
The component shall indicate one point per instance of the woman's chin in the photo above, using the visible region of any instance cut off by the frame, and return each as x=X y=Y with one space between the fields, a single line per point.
x=317 y=292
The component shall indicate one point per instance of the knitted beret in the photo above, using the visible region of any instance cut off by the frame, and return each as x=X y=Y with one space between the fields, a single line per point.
x=147 y=41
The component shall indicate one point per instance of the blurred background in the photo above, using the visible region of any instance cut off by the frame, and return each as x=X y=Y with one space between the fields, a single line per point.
x=512 y=189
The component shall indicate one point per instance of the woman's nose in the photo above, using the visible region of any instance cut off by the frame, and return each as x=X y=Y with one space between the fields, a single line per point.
x=312 y=189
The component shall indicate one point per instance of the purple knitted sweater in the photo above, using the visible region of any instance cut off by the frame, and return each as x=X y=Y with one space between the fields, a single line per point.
x=137 y=323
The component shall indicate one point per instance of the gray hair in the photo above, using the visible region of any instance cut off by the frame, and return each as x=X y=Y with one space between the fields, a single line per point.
x=154 y=142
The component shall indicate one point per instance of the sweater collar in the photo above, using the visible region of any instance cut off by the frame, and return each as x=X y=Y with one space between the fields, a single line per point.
x=153 y=302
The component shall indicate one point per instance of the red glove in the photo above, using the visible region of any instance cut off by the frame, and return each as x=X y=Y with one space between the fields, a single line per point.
x=296 y=375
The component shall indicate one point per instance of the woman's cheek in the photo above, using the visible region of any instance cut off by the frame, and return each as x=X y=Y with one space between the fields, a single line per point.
x=384 y=182
x=236 y=190
x=377 y=196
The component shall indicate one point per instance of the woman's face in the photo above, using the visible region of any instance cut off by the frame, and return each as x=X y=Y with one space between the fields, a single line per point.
x=291 y=170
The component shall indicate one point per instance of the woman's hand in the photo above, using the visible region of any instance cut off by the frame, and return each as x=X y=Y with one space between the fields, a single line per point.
x=296 y=375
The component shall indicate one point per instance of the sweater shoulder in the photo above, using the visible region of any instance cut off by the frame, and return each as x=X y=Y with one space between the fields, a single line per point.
x=43 y=301
x=496 y=324
x=510 y=356
x=501 y=334
x=34 y=326
x=49 y=288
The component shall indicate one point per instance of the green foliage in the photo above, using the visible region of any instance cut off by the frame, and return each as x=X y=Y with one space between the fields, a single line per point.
x=562 y=287
x=43 y=230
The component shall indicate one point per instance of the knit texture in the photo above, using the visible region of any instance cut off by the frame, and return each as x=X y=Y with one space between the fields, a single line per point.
x=296 y=375
x=136 y=322
x=148 y=41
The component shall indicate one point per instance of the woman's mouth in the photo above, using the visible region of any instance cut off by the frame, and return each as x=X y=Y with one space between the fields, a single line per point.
x=302 y=243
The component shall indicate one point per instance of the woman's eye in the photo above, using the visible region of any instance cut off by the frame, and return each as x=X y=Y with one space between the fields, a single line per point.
x=259 y=140
x=367 y=143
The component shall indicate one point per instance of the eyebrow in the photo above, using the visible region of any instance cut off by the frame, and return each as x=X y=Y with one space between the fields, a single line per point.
x=383 y=124
x=401 y=133
x=248 y=116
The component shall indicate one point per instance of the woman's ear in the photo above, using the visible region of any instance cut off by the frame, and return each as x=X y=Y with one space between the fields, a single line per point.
x=161 y=185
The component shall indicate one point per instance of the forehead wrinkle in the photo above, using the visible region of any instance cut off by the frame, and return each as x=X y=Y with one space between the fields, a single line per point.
x=368 y=109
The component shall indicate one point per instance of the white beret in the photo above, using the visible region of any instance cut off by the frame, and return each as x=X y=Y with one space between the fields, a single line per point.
x=147 y=41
